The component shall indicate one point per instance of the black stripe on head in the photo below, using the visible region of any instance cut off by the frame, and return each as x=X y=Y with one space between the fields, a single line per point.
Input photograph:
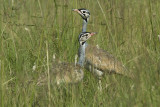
x=85 y=35
x=83 y=43
x=86 y=20
x=85 y=10
x=81 y=34
x=82 y=9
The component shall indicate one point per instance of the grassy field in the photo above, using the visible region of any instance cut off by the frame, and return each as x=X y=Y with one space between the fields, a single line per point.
x=33 y=30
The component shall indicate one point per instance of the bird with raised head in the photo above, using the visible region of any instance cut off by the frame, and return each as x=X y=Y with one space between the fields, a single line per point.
x=98 y=60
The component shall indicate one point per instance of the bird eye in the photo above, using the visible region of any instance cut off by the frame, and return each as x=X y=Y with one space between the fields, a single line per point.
x=83 y=12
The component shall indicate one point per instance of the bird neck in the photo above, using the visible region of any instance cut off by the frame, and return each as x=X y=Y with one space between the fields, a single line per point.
x=84 y=26
x=82 y=54
x=82 y=47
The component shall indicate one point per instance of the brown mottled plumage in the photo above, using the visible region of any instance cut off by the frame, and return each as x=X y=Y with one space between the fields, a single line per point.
x=67 y=73
x=102 y=61
x=63 y=72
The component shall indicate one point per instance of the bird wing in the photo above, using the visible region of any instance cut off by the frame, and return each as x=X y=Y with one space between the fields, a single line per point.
x=102 y=60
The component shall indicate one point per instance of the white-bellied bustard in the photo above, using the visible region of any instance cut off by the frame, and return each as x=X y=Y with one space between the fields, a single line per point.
x=98 y=60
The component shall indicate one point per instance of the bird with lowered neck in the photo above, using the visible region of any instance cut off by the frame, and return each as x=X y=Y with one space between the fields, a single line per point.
x=98 y=60
x=64 y=72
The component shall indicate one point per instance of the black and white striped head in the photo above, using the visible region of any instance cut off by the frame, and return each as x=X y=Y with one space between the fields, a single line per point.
x=84 y=13
x=84 y=36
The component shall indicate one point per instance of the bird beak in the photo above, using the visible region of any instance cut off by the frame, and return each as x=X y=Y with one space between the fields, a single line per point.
x=76 y=10
x=93 y=33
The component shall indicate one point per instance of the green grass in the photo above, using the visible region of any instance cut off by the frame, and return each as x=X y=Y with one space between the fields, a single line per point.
x=127 y=29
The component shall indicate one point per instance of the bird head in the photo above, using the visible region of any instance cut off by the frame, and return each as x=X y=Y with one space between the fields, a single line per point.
x=84 y=13
x=84 y=36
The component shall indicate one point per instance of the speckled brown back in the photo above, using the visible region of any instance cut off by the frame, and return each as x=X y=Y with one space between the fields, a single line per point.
x=67 y=73
x=102 y=60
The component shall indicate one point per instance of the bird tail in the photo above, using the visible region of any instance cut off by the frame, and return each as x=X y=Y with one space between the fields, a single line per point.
x=122 y=70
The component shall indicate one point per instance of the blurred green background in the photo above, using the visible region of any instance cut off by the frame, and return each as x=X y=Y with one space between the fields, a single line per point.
x=30 y=29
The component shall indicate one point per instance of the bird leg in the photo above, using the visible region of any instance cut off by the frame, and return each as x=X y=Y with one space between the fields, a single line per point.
x=99 y=73
x=100 y=85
